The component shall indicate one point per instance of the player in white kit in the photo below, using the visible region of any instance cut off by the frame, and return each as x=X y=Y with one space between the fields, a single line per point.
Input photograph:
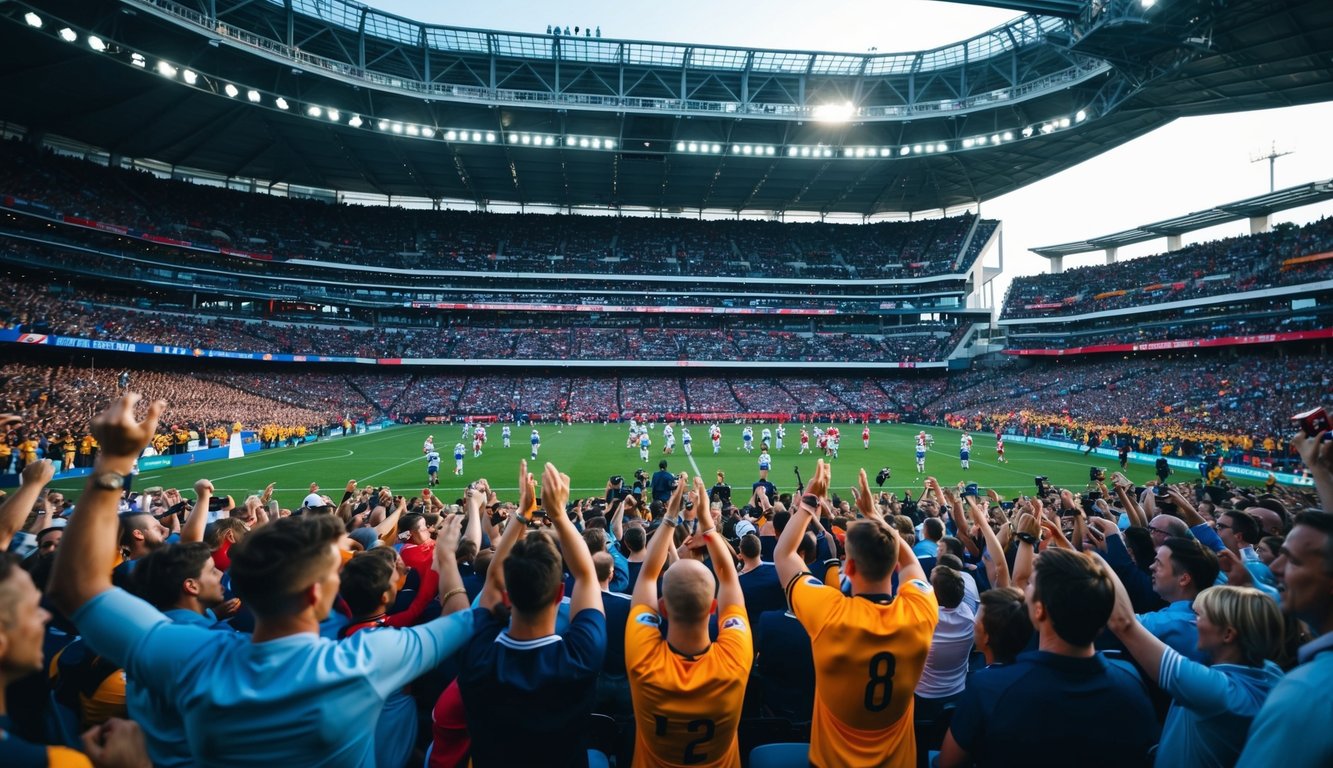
x=965 y=451
x=668 y=438
x=504 y=435
x=685 y=438
x=459 y=453
x=430 y=444
x=536 y=444
x=921 y=452
x=747 y=437
x=716 y=435
x=433 y=467
x=781 y=433
x=644 y=443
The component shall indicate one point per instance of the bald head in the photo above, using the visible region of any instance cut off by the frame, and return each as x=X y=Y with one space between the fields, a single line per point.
x=1269 y=520
x=1171 y=526
x=687 y=591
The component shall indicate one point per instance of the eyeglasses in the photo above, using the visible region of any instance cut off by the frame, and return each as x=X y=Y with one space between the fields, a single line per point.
x=1159 y=530
x=1222 y=527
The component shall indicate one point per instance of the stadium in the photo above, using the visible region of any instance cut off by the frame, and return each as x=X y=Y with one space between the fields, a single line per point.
x=338 y=240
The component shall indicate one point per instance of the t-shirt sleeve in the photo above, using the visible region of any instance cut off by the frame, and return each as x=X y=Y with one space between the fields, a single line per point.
x=138 y=638
x=1198 y=688
x=735 y=639
x=969 y=717
x=395 y=657
x=919 y=602
x=643 y=634
x=812 y=603
x=585 y=639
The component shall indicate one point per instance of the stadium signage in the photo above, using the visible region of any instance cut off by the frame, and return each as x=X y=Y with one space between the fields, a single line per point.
x=1153 y=346
x=1232 y=470
x=685 y=310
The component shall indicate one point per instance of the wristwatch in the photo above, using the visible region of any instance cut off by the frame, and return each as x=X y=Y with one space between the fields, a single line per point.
x=108 y=481
x=673 y=521
x=1026 y=538
x=810 y=500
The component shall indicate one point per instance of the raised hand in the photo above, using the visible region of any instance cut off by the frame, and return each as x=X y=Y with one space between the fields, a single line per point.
x=527 y=490
x=555 y=492
x=38 y=473
x=119 y=433
x=864 y=501
x=819 y=484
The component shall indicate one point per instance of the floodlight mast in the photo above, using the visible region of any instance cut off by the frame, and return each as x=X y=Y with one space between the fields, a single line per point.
x=1271 y=157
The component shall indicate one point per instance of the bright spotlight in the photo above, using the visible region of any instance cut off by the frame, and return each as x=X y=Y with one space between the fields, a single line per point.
x=693 y=146
x=1027 y=132
x=355 y=122
x=680 y=146
x=490 y=137
x=334 y=115
x=769 y=151
x=791 y=151
x=584 y=143
x=805 y=151
x=905 y=151
x=1080 y=116
x=611 y=144
x=1008 y=136
x=525 y=138
x=33 y=19
x=138 y=60
x=596 y=143
x=96 y=43
x=281 y=103
x=967 y=143
x=885 y=151
x=476 y=135
x=1064 y=122
x=747 y=149
x=396 y=127
x=1147 y=3
x=859 y=151
x=550 y=141
x=412 y=130
x=165 y=69
x=253 y=96
x=828 y=152
x=190 y=77
x=68 y=35
x=735 y=149
x=834 y=113
x=230 y=90
x=314 y=111
x=941 y=147
x=450 y=135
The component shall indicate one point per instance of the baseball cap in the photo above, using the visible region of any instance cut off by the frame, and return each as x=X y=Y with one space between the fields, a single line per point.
x=366 y=537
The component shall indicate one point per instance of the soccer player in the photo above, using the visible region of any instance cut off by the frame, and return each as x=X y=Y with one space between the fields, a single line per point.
x=668 y=438
x=687 y=690
x=766 y=437
x=869 y=649
x=536 y=440
x=685 y=438
x=716 y=434
x=834 y=440
x=778 y=435
x=765 y=461
x=459 y=452
x=433 y=467
x=747 y=438
x=999 y=448
x=476 y=444
x=965 y=451
x=504 y=435
x=865 y=436
x=644 y=443
x=429 y=445
x=921 y=453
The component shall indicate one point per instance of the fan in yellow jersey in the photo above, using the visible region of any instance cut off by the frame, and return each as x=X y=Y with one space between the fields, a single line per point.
x=687 y=690
x=869 y=649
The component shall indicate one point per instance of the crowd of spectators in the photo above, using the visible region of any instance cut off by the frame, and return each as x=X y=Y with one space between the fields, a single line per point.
x=1233 y=265
x=522 y=628
x=38 y=309
x=1231 y=321
x=293 y=228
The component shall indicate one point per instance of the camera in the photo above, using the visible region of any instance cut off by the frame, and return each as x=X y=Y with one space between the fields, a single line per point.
x=1096 y=474
x=1043 y=484
x=884 y=474
x=617 y=479
x=971 y=489
x=640 y=475
x=1313 y=422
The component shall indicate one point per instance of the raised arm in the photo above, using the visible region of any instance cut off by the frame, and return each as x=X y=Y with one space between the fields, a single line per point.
x=1029 y=534
x=15 y=510
x=645 y=589
x=788 y=562
x=865 y=503
x=993 y=548
x=87 y=552
x=472 y=498
x=492 y=593
x=1317 y=455
x=724 y=564
x=453 y=597
x=387 y=530
x=587 y=591
x=197 y=520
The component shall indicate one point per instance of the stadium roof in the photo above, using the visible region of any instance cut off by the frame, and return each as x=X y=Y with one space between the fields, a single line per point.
x=443 y=112
x=1260 y=205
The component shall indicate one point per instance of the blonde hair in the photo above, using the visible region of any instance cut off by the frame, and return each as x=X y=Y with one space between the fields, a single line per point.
x=1254 y=615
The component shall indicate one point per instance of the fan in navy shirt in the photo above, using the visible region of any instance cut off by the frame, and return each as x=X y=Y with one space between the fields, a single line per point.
x=1069 y=599
x=759 y=581
x=527 y=691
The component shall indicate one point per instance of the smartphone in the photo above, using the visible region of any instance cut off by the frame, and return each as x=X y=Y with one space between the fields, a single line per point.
x=1313 y=422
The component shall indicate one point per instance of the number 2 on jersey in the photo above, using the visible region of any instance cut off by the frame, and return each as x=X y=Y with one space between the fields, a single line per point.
x=708 y=727
x=880 y=688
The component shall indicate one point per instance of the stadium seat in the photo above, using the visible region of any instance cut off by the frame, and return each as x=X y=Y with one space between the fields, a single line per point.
x=930 y=734
x=601 y=735
x=758 y=731
x=781 y=755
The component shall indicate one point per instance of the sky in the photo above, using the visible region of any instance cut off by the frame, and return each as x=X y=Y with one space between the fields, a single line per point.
x=1189 y=165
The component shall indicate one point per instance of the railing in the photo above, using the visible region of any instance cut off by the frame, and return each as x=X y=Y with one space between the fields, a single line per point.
x=1083 y=69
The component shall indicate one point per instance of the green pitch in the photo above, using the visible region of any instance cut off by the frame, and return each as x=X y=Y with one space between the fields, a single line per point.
x=591 y=453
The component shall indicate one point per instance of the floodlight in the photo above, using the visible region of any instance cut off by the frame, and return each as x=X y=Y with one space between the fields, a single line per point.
x=1008 y=136
x=941 y=147
x=412 y=130
x=1147 y=3
x=490 y=137
x=230 y=90
x=735 y=149
x=1064 y=122
x=190 y=77
x=450 y=135
x=280 y=103
x=885 y=151
x=138 y=60
x=791 y=151
x=68 y=35
x=805 y=151
x=828 y=152
x=355 y=122
x=834 y=113
x=1080 y=116
x=550 y=141
x=680 y=146
x=165 y=69
x=694 y=146
x=747 y=149
x=596 y=143
x=769 y=151
x=33 y=19
x=930 y=149
x=334 y=115
x=860 y=151
x=967 y=143
x=525 y=138
x=611 y=144
x=1027 y=132
x=96 y=43
x=917 y=149
x=584 y=143
x=253 y=96
x=396 y=127
x=476 y=135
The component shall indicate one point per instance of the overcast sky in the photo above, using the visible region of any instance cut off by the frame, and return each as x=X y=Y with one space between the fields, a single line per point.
x=1189 y=165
